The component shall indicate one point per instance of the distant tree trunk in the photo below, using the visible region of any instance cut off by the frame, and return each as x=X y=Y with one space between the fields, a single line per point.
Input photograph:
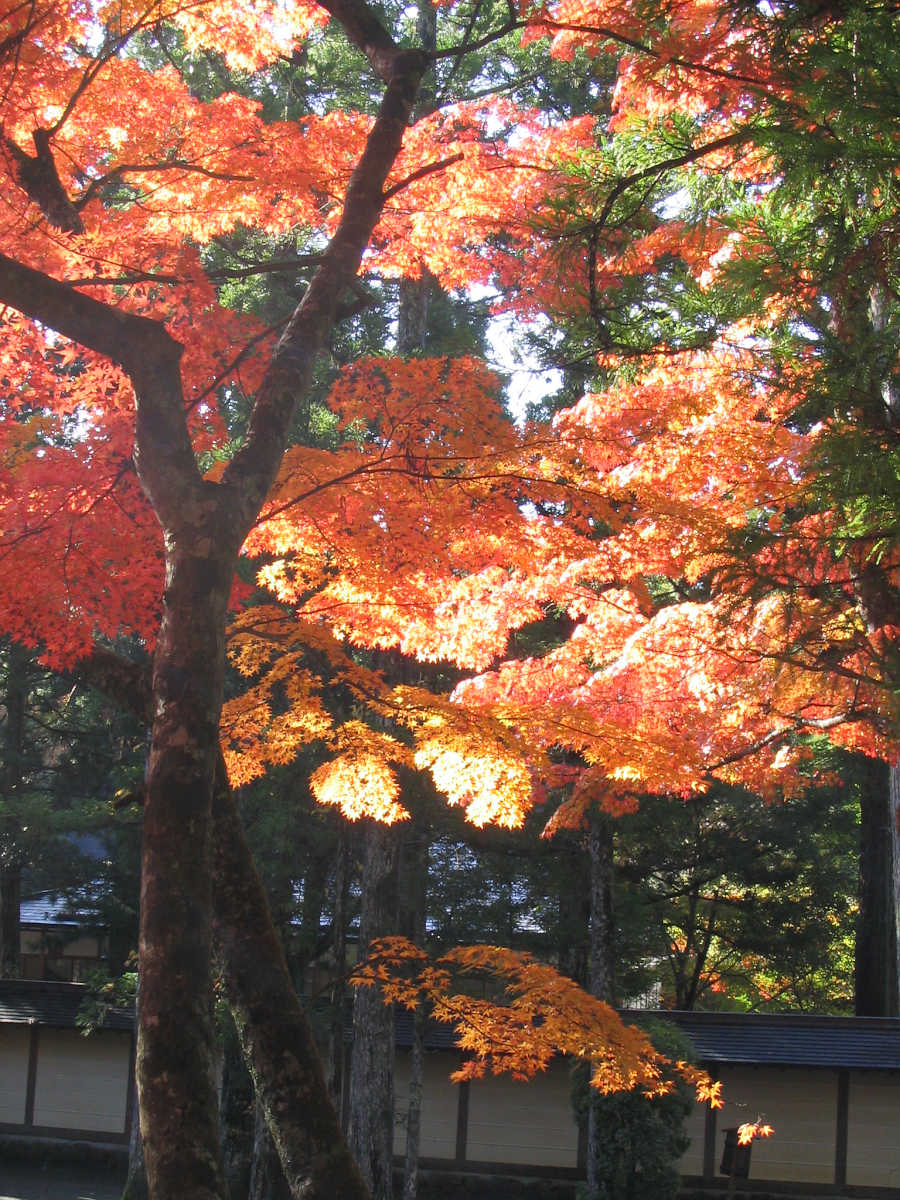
x=311 y=944
x=237 y=1111
x=574 y=909
x=275 y=1036
x=602 y=970
x=413 y=891
x=10 y=908
x=371 y=1131
x=875 y=990
x=339 y=924
x=11 y=773
x=895 y=841
x=136 y=1180
x=267 y=1180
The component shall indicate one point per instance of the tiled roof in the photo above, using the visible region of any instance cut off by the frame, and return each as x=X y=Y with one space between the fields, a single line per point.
x=49 y=908
x=26 y=1001
x=791 y=1040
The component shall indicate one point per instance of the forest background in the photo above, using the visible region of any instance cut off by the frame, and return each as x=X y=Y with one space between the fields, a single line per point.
x=250 y=265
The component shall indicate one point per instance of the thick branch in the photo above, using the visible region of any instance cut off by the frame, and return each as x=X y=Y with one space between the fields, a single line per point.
x=252 y=471
x=125 y=338
x=366 y=33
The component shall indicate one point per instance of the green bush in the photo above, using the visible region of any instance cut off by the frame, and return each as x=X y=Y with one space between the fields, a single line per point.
x=640 y=1140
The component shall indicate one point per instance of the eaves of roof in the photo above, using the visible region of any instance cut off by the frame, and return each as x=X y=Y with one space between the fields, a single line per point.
x=790 y=1039
x=39 y=1002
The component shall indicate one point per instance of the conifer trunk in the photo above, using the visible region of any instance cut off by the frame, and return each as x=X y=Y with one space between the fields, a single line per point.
x=895 y=843
x=10 y=782
x=339 y=926
x=413 y=891
x=274 y=1032
x=10 y=907
x=875 y=977
x=371 y=1131
x=602 y=969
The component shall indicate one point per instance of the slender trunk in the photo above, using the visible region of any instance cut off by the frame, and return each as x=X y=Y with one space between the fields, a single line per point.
x=10 y=907
x=267 y=1180
x=573 y=908
x=875 y=990
x=136 y=1179
x=882 y=612
x=339 y=925
x=413 y=891
x=371 y=1132
x=11 y=773
x=273 y=1029
x=895 y=843
x=414 y=1107
x=602 y=972
x=238 y=1114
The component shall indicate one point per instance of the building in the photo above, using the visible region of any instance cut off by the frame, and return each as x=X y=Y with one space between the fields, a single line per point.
x=829 y=1085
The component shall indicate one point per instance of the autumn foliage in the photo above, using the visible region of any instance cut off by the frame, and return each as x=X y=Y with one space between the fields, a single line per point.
x=531 y=1014
x=430 y=527
x=725 y=580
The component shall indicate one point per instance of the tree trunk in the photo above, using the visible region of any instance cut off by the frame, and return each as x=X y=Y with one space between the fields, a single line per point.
x=136 y=1180
x=414 y=1106
x=176 y=1058
x=267 y=1180
x=238 y=1115
x=271 y=1025
x=371 y=1131
x=339 y=924
x=875 y=990
x=11 y=774
x=273 y=1029
x=602 y=970
x=895 y=844
x=574 y=908
x=413 y=892
x=10 y=905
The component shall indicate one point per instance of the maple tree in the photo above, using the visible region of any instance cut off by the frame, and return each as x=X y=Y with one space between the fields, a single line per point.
x=429 y=524
x=547 y=1014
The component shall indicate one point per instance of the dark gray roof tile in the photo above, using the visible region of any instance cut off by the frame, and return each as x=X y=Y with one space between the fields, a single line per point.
x=790 y=1040
x=26 y=1001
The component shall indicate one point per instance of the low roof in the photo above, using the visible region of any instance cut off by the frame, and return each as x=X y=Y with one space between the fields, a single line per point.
x=51 y=908
x=39 y=1002
x=753 y=1039
x=790 y=1039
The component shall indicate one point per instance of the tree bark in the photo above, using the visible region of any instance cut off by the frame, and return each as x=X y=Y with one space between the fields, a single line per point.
x=11 y=774
x=238 y=1115
x=10 y=907
x=895 y=845
x=413 y=892
x=272 y=1027
x=371 y=1131
x=339 y=928
x=602 y=967
x=274 y=1032
x=875 y=982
